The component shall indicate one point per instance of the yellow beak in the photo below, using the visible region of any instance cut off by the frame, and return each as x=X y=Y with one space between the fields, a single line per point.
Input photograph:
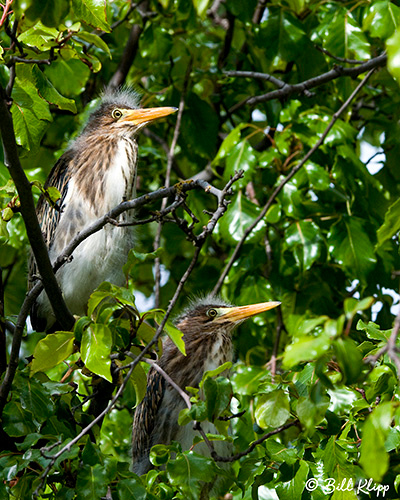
x=237 y=314
x=145 y=115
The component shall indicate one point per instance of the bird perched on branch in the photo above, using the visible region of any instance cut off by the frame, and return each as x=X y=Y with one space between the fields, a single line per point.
x=95 y=174
x=207 y=327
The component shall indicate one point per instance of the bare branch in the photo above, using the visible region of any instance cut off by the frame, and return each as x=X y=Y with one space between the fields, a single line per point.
x=241 y=454
x=84 y=431
x=170 y=160
x=300 y=88
x=293 y=172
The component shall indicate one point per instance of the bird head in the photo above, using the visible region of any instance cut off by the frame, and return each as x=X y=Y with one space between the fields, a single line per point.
x=119 y=114
x=211 y=315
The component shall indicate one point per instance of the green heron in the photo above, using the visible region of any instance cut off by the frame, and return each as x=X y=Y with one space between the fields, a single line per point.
x=95 y=174
x=207 y=327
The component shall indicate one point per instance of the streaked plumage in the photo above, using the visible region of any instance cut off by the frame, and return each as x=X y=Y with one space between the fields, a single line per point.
x=207 y=327
x=96 y=173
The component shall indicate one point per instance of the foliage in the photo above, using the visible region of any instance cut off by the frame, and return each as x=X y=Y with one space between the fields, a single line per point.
x=327 y=245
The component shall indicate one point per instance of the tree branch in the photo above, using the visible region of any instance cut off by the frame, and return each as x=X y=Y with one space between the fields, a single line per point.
x=293 y=172
x=299 y=88
x=170 y=160
x=28 y=212
x=241 y=454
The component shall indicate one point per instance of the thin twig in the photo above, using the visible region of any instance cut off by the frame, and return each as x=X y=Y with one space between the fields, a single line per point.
x=165 y=375
x=337 y=58
x=84 y=431
x=241 y=454
x=65 y=256
x=293 y=172
x=170 y=161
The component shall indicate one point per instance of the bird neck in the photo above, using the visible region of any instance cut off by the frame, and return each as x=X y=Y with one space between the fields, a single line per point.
x=105 y=170
x=203 y=352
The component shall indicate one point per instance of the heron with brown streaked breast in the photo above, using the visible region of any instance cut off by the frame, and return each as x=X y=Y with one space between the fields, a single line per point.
x=96 y=173
x=207 y=326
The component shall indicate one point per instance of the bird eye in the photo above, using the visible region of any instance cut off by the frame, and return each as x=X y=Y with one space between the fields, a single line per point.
x=116 y=114
x=211 y=313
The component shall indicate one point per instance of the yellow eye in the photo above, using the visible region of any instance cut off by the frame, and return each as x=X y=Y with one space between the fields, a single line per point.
x=212 y=313
x=116 y=114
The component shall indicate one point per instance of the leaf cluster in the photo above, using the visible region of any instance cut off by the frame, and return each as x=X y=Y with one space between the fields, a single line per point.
x=314 y=390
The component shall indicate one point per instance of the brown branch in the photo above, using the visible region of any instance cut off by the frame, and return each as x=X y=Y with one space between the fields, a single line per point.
x=293 y=172
x=28 y=212
x=337 y=58
x=170 y=161
x=64 y=257
x=258 y=13
x=165 y=375
x=3 y=343
x=241 y=454
x=302 y=87
x=84 y=431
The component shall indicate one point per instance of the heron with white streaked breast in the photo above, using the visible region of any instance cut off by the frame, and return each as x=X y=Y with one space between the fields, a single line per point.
x=95 y=174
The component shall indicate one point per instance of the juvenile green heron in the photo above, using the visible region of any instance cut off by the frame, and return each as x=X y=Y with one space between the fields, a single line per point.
x=207 y=327
x=95 y=174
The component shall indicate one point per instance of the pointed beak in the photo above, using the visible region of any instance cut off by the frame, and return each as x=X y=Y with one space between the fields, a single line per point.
x=146 y=115
x=238 y=314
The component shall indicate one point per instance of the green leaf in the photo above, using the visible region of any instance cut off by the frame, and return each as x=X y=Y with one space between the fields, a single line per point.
x=91 y=482
x=176 y=336
x=188 y=470
x=94 y=39
x=139 y=382
x=373 y=331
x=131 y=488
x=92 y=12
x=306 y=349
x=68 y=76
x=311 y=410
x=49 y=12
x=96 y=348
x=246 y=379
x=39 y=36
x=381 y=19
x=218 y=394
x=304 y=239
x=352 y=248
x=52 y=350
x=272 y=409
x=374 y=458
x=201 y=7
x=16 y=421
x=318 y=177
x=231 y=140
x=240 y=215
x=292 y=490
x=391 y=226
x=241 y=157
x=30 y=113
x=349 y=359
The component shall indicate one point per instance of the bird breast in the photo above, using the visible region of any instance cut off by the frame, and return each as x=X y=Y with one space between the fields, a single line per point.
x=101 y=256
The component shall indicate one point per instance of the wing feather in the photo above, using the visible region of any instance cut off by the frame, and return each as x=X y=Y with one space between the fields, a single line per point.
x=145 y=421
